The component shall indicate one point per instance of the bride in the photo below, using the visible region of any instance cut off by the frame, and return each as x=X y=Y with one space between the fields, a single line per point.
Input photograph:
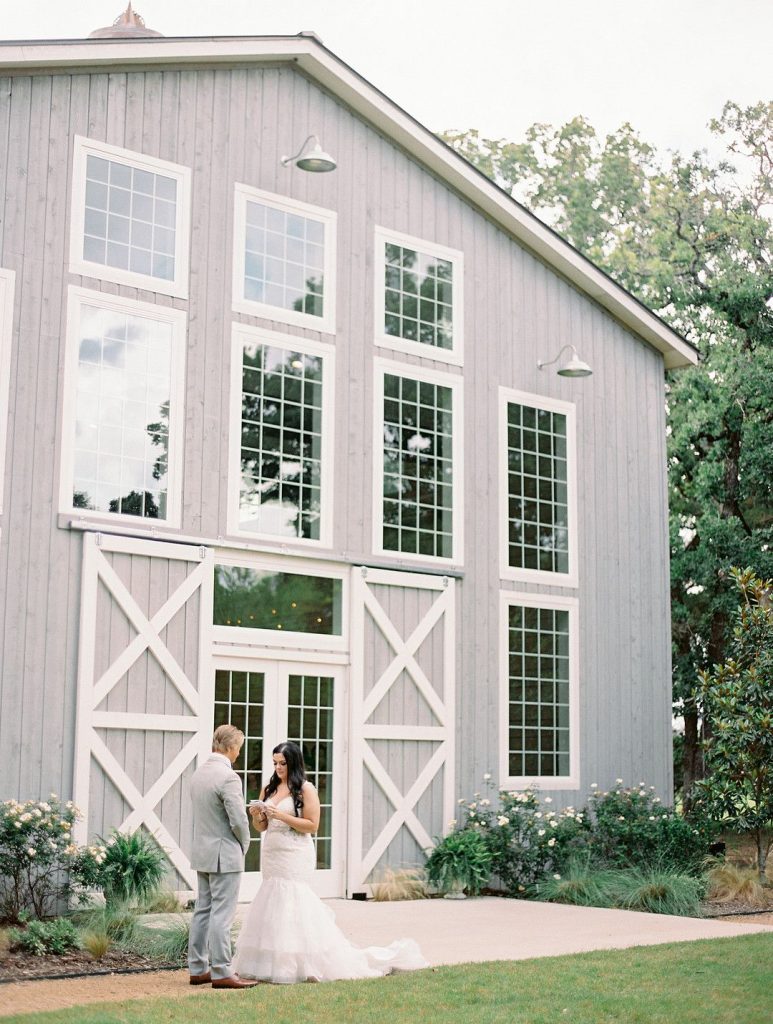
x=288 y=933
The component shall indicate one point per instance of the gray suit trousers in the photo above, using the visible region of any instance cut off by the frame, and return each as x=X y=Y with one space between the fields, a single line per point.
x=209 y=945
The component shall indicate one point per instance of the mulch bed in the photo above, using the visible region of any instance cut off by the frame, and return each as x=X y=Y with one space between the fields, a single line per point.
x=20 y=966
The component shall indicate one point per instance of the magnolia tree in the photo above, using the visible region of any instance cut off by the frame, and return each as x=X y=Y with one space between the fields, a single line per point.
x=738 y=696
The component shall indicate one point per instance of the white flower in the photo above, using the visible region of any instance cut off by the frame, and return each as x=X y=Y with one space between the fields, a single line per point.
x=521 y=888
x=452 y=823
x=552 y=824
x=503 y=820
x=642 y=785
x=594 y=785
x=111 y=841
x=552 y=842
x=30 y=852
x=485 y=803
x=472 y=814
x=17 y=824
x=557 y=878
x=620 y=817
x=656 y=800
x=538 y=814
x=548 y=800
x=26 y=817
x=619 y=782
x=652 y=817
x=541 y=832
x=462 y=801
x=487 y=776
x=642 y=792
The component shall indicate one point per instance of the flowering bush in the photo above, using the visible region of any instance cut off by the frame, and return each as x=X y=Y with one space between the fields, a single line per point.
x=526 y=839
x=631 y=828
x=40 y=865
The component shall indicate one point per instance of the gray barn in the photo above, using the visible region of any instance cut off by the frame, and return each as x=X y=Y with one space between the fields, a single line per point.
x=275 y=448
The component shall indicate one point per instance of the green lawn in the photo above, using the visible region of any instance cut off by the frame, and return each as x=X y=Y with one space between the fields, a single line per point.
x=721 y=981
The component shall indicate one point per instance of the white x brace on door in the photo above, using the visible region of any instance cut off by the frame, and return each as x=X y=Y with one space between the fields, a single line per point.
x=402 y=719
x=145 y=687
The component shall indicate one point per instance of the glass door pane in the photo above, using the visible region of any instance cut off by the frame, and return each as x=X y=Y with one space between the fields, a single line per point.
x=240 y=700
x=310 y=725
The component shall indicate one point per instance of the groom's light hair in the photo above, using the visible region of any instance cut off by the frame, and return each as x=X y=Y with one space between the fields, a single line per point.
x=226 y=737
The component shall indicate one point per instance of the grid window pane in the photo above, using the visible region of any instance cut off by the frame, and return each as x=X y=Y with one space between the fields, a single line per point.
x=122 y=411
x=538 y=534
x=240 y=701
x=258 y=599
x=538 y=689
x=130 y=218
x=310 y=710
x=284 y=259
x=281 y=443
x=418 y=467
x=418 y=296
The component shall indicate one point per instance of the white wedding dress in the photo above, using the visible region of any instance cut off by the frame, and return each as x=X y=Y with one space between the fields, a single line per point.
x=289 y=935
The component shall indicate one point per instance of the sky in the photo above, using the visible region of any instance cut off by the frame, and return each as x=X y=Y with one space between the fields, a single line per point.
x=666 y=66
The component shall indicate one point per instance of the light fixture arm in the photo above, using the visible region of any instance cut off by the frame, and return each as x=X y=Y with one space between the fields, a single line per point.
x=550 y=362
x=289 y=159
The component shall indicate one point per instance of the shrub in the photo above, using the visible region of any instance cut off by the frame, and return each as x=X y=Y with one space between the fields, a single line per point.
x=631 y=828
x=406 y=884
x=581 y=884
x=162 y=902
x=168 y=944
x=40 y=866
x=460 y=860
x=40 y=937
x=115 y=920
x=133 y=867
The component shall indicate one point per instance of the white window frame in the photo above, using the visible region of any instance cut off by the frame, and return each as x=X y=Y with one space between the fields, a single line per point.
x=326 y=323
x=557 y=602
x=455 y=382
x=7 y=286
x=177 y=318
x=178 y=287
x=543 y=576
x=241 y=638
x=242 y=333
x=455 y=355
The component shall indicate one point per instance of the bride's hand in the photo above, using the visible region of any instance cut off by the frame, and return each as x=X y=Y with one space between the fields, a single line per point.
x=270 y=812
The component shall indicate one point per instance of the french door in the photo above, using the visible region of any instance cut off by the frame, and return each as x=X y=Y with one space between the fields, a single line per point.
x=304 y=702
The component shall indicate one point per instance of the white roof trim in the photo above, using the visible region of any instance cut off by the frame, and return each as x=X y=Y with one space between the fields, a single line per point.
x=308 y=53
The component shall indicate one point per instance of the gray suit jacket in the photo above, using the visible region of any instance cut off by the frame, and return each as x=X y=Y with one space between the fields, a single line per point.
x=221 y=832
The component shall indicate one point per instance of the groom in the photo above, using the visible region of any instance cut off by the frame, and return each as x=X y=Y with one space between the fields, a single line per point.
x=221 y=838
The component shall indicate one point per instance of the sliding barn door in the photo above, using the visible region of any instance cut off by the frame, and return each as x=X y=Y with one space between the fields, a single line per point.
x=145 y=689
x=402 y=720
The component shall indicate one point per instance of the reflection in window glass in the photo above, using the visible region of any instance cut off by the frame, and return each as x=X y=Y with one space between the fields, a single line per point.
x=418 y=296
x=263 y=599
x=418 y=467
x=538 y=535
x=281 y=442
x=310 y=725
x=240 y=701
x=130 y=219
x=122 y=413
x=284 y=259
x=538 y=680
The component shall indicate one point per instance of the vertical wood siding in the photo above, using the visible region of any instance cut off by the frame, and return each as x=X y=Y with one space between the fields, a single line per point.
x=234 y=125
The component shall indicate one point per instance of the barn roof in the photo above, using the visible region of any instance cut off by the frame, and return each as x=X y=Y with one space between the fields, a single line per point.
x=307 y=52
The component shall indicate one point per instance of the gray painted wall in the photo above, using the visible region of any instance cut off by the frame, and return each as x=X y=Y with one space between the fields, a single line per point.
x=233 y=125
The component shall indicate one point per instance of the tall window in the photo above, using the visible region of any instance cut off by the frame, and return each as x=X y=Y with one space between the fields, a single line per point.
x=540 y=689
x=123 y=408
x=280 y=437
x=284 y=262
x=419 y=470
x=130 y=218
x=252 y=598
x=418 y=297
x=538 y=494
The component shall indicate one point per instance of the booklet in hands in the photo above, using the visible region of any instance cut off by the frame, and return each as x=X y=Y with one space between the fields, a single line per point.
x=257 y=805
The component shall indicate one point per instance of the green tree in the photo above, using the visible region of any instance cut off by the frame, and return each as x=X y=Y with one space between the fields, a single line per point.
x=738 y=696
x=693 y=240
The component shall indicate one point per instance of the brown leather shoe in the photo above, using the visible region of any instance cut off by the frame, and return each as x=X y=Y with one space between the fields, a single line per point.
x=200 y=979
x=233 y=982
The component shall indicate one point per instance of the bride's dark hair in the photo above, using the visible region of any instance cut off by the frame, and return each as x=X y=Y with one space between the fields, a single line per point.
x=296 y=774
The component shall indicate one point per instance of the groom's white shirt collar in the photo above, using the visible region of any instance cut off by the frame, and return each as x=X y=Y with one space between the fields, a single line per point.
x=221 y=757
